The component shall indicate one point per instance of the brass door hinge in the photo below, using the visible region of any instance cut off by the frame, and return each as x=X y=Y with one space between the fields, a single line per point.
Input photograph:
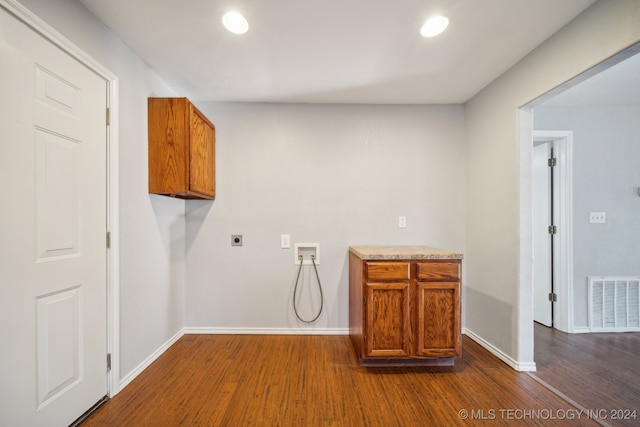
x=108 y=240
x=553 y=229
x=108 y=116
x=552 y=162
x=553 y=297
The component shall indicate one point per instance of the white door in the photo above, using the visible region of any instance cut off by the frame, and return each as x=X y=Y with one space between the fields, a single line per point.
x=542 y=266
x=53 y=319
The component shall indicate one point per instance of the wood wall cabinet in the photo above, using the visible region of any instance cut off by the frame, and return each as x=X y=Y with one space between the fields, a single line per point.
x=181 y=150
x=405 y=311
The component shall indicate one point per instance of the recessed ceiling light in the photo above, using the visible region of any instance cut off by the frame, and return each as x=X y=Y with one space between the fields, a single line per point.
x=434 y=26
x=235 y=23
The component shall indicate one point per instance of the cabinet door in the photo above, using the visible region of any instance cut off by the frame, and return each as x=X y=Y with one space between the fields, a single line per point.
x=439 y=319
x=388 y=319
x=168 y=143
x=202 y=155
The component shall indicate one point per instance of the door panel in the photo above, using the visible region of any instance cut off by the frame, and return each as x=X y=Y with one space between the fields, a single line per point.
x=53 y=224
x=438 y=319
x=541 y=238
x=58 y=343
x=57 y=215
x=202 y=155
x=57 y=93
x=388 y=320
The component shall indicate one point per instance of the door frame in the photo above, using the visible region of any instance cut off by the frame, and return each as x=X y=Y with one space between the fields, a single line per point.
x=563 y=219
x=112 y=194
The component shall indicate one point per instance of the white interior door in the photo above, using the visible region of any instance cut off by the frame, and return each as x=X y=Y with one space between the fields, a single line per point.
x=542 y=267
x=53 y=319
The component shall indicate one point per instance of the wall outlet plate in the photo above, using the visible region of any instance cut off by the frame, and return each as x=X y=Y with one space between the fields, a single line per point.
x=597 y=217
x=236 y=240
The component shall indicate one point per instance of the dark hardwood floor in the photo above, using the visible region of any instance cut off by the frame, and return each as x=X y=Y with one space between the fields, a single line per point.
x=600 y=372
x=270 y=380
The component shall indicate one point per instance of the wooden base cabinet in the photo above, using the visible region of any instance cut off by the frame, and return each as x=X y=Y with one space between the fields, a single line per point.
x=405 y=312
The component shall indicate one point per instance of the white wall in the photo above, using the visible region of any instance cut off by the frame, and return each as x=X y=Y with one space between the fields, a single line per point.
x=338 y=175
x=606 y=178
x=152 y=281
x=498 y=250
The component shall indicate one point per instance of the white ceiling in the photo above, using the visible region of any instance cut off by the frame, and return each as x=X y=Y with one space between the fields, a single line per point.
x=333 y=51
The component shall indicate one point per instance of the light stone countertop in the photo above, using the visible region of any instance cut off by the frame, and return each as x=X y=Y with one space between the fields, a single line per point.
x=401 y=252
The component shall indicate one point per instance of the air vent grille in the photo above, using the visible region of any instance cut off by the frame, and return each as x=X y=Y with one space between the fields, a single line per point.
x=614 y=304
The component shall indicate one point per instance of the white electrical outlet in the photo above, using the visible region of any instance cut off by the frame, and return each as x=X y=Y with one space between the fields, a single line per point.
x=597 y=217
x=285 y=241
x=402 y=222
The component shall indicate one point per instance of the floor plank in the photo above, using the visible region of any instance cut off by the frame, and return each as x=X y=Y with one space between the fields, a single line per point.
x=271 y=380
x=600 y=371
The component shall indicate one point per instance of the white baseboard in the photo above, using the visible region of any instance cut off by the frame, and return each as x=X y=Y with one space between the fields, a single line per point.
x=581 y=330
x=149 y=360
x=518 y=366
x=267 y=331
